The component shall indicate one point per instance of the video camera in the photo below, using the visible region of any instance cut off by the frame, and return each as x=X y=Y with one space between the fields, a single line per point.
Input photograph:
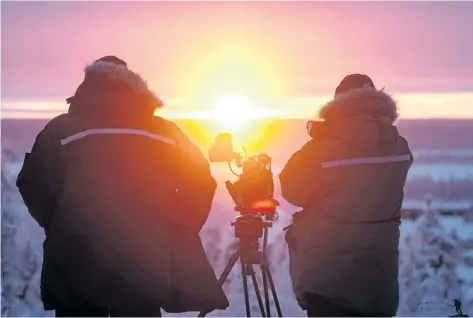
x=252 y=192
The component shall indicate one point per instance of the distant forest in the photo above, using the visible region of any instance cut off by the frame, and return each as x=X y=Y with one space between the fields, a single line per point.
x=441 y=189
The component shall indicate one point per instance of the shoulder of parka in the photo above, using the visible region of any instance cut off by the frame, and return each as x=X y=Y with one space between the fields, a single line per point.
x=56 y=124
x=315 y=149
x=171 y=129
x=54 y=129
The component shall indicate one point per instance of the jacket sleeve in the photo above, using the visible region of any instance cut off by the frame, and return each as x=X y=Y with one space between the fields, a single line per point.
x=37 y=179
x=196 y=188
x=301 y=174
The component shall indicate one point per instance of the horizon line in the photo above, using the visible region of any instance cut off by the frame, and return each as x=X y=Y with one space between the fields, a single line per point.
x=451 y=105
x=50 y=116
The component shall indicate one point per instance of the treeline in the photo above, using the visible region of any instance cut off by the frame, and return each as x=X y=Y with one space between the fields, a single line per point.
x=444 y=159
x=457 y=189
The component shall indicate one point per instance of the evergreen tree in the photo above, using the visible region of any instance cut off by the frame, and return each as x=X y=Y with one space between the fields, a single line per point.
x=427 y=275
x=467 y=303
x=21 y=263
x=468 y=307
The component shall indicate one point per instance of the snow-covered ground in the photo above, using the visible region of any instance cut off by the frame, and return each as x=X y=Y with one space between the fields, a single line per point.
x=217 y=229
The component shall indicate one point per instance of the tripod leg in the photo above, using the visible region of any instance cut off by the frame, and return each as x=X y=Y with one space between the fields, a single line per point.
x=257 y=292
x=273 y=291
x=245 y=287
x=223 y=277
x=263 y=267
x=265 y=290
x=231 y=262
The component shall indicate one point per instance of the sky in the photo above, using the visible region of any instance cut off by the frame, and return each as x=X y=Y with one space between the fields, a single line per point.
x=275 y=53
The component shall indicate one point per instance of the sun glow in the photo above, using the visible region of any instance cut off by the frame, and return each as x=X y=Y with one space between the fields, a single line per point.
x=230 y=85
x=234 y=111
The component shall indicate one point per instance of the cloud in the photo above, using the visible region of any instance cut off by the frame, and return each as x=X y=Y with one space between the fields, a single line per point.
x=408 y=46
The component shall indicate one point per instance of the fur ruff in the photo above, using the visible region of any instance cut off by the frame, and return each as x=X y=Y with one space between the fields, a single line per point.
x=359 y=101
x=120 y=73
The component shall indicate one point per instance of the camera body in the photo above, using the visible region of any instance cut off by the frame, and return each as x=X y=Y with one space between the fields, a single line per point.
x=252 y=192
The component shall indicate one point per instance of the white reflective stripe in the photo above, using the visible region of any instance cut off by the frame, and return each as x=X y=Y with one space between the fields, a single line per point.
x=115 y=131
x=367 y=160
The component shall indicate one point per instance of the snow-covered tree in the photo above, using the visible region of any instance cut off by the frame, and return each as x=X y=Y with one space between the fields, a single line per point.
x=468 y=301
x=407 y=303
x=21 y=262
x=427 y=275
x=467 y=274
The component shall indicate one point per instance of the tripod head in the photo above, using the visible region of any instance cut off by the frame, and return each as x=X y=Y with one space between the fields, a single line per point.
x=249 y=229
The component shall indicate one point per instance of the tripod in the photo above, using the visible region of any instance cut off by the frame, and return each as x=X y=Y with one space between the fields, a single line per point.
x=248 y=253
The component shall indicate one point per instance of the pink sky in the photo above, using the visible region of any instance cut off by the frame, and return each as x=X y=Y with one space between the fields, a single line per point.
x=306 y=47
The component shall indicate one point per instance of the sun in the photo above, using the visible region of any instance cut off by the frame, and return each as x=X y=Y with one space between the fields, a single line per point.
x=234 y=111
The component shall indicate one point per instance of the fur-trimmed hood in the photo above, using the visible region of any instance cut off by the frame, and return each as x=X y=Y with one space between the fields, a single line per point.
x=364 y=101
x=363 y=117
x=110 y=85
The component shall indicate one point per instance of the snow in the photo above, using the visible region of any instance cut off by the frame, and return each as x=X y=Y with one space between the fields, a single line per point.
x=407 y=227
x=468 y=299
x=468 y=254
x=13 y=169
x=457 y=223
x=429 y=258
x=21 y=255
x=465 y=272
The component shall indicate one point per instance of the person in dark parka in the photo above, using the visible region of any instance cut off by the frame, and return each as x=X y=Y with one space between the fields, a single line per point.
x=122 y=196
x=349 y=180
